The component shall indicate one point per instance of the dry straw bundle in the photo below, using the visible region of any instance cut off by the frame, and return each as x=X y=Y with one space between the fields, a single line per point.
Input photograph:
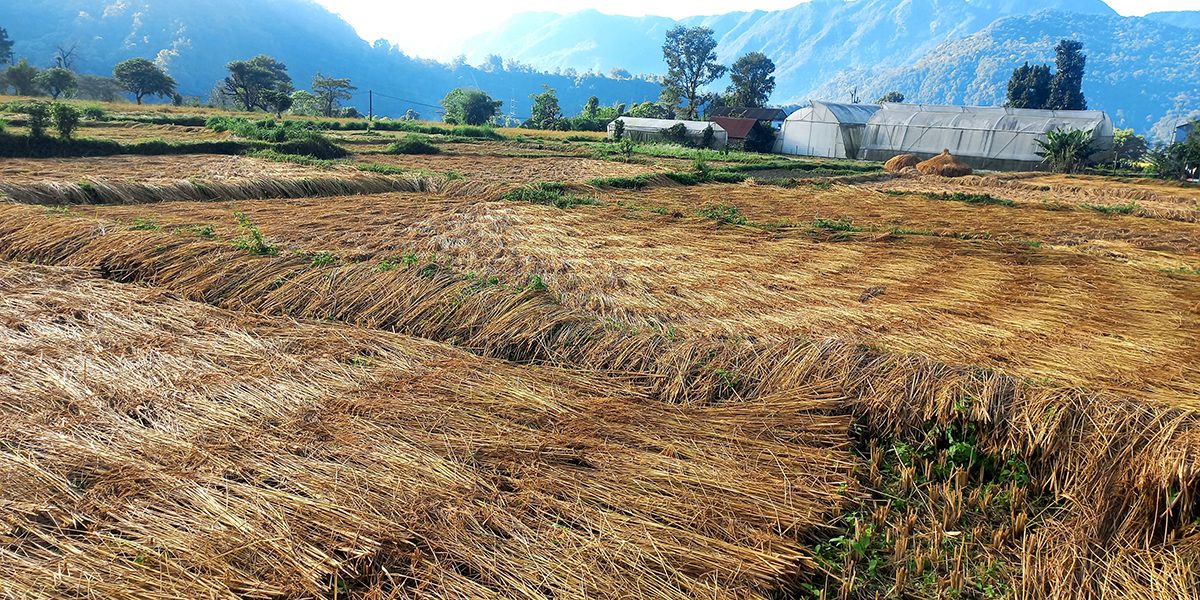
x=901 y=162
x=154 y=448
x=944 y=165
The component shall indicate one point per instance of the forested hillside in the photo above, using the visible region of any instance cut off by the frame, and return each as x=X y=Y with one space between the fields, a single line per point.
x=194 y=41
x=1144 y=73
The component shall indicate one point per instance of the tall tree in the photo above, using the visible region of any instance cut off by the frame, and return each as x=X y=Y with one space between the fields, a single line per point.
x=64 y=55
x=250 y=80
x=1066 y=88
x=691 y=63
x=330 y=92
x=57 y=81
x=752 y=80
x=22 y=77
x=6 y=46
x=892 y=96
x=546 y=112
x=1029 y=87
x=469 y=107
x=143 y=78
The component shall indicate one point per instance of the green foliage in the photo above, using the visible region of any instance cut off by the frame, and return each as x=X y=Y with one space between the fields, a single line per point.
x=66 y=119
x=292 y=137
x=619 y=133
x=635 y=182
x=969 y=198
x=251 y=239
x=146 y=224
x=752 y=80
x=1029 y=86
x=707 y=139
x=723 y=213
x=1066 y=88
x=6 y=45
x=651 y=110
x=57 y=81
x=95 y=112
x=330 y=92
x=676 y=134
x=545 y=113
x=691 y=63
x=1066 y=150
x=1172 y=161
x=37 y=118
x=250 y=81
x=761 y=138
x=413 y=144
x=1112 y=209
x=552 y=194
x=277 y=102
x=1128 y=148
x=143 y=78
x=892 y=96
x=469 y=107
x=23 y=78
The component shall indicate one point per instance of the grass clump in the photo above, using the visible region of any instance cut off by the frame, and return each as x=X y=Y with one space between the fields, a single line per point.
x=838 y=225
x=969 y=198
x=1112 y=209
x=553 y=194
x=251 y=239
x=635 y=182
x=723 y=213
x=413 y=144
x=146 y=224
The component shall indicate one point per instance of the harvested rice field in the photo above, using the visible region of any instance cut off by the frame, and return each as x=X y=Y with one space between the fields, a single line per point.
x=505 y=371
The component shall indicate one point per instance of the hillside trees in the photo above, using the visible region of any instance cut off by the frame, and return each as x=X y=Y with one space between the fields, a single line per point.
x=1066 y=88
x=691 y=63
x=143 y=78
x=249 y=81
x=469 y=107
x=330 y=92
x=57 y=81
x=1029 y=86
x=1034 y=86
x=6 y=46
x=752 y=80
x=21 y=77
x=892 y=96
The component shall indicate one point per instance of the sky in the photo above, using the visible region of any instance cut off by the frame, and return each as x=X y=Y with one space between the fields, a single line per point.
x=408 y=24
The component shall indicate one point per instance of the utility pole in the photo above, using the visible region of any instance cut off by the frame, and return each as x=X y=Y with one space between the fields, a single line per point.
x=370 y=105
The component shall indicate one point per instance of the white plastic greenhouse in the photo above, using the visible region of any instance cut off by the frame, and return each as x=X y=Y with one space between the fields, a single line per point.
x=992 y=138
x=826 y=129
x=651 y=130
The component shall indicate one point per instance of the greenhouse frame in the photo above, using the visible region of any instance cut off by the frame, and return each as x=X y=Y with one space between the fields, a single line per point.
x=826 y=129
x=651 y=130
x=988 y=138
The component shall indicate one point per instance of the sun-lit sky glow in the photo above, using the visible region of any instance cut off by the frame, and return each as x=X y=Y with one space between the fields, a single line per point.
x=435 y=29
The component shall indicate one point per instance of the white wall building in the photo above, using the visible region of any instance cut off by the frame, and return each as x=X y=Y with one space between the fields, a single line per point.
x=651 y=130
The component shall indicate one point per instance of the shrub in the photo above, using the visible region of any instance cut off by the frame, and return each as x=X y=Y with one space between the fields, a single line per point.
x=95 y=112
x=413 y=144
x=707 y=140
x=38 y=114
x=618 y=130
x=676 y=133
x=1066 y=150
x=554 y=194
x=66 y=119
x=723 y=213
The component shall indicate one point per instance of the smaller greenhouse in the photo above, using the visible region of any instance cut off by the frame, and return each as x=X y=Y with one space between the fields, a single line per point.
x=826 y=129
x=985 y=137
x=669 y=130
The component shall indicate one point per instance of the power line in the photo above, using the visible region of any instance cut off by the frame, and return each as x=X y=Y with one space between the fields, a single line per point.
x=408 y=101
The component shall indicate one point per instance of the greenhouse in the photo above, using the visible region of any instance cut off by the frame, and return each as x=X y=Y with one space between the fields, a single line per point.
x=990 y=138
x=826 y=129
x=659 y=130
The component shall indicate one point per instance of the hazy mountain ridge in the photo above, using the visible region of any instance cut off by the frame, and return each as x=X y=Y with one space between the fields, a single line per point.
x=195 y=40
x=1145 y=74
x=810 y=42
x=1178 y=18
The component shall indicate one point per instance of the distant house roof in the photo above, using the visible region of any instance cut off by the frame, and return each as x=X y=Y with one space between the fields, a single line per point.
x=736 y=127
x=758 y=114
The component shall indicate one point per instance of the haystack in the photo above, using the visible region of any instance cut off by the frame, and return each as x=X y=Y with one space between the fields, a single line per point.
x=899 y=162
x=944 y=165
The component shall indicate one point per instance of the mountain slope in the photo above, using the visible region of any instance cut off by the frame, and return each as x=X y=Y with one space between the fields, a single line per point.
x=1178 y=18
x=1145 y=74
x=809 y=43
x=194 y=40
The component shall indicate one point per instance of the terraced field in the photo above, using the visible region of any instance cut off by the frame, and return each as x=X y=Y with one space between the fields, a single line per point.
x=247 y=377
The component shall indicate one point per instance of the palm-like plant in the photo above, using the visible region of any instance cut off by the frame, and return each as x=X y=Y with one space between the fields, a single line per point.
x=1066 y=150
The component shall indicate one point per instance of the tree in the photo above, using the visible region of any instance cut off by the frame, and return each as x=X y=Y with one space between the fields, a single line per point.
x=752 y=80
x=545 y=112
x=64 y=56
x=6 y=46
x=592 y=106
x=892 y=96
x=22 y=77
x=250 y=80
x=691 y=63
x=277 y=102
x=330 y=92
x=469 y=107
x=1066 y=88
x=492 y=63
x=66 y=118
x=1029 y=87
x=142 y=78
x=619 y=73
x=305 y=103
x=93 y=87
x=57 y=81
x=1066 y=150
x=1128 y=147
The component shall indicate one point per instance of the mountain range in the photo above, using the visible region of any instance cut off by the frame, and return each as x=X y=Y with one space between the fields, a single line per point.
x=194 y=40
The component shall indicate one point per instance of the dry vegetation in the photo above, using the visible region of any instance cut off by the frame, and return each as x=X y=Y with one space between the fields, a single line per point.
x=915 y=387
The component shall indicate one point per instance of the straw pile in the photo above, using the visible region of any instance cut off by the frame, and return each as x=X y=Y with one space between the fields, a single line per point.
x=155 y=448
x=944 y=165
x=901 y=162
